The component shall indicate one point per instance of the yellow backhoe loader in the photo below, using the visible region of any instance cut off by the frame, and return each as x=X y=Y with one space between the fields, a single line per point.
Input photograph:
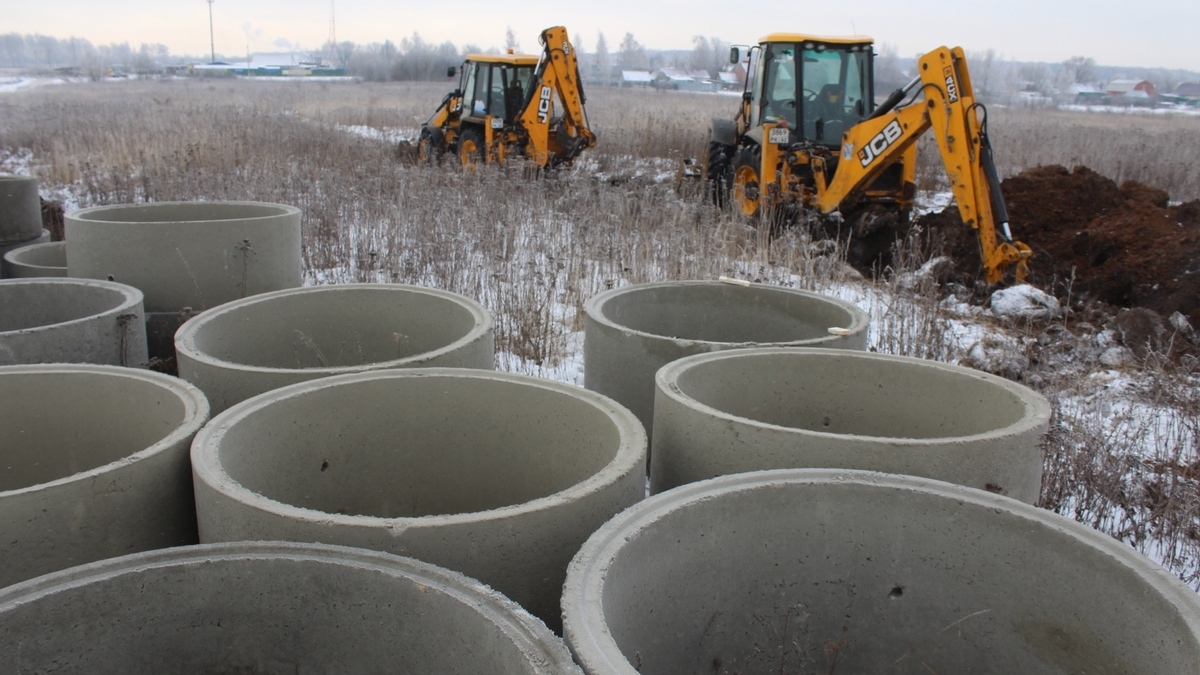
x=510 y=105
x=809 y=138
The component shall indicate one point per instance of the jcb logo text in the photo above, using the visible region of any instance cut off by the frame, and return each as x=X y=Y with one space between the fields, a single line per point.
x=544 y=105
x=881 y=142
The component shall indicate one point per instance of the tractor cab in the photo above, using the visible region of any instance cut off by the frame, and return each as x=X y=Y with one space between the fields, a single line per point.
x=496 y=85
x=818 y=87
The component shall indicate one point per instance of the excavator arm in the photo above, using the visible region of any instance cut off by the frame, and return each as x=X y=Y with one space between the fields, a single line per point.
x=556 y=134
x=950 y=111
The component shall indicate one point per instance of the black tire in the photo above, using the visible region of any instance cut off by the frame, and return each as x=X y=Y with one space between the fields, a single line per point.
x=431 y=145
x=745 y=183
x=470 y=148
x=718 y=171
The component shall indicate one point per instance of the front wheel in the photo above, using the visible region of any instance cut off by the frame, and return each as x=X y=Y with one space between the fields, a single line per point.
x=470 y=149
x=747 y=184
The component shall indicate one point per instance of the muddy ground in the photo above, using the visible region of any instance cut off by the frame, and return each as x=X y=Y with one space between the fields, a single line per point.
x=1093 y=241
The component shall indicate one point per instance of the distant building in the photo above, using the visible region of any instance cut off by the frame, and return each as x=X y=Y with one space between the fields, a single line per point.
x=279 y=64
x=636 y=78
x=1132 y=89
x=1188 y=90
x=732 y=79
x=684 y=79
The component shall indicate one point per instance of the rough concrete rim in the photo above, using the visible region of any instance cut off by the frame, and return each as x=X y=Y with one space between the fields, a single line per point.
x=585 y=627
x=195 y=407
x=207 y=464
x=17 y=256
x=1037 y=407
x=133 y=298
x=185 y=336
x=594 y=308
x=88 y=213
x=547 y=652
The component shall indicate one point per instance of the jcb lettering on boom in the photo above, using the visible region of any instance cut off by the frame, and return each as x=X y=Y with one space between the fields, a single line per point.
x=880 y=142
x=951 y=87
x=544 y=105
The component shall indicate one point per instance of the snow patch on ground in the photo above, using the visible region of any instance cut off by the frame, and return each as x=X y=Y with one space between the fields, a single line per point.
x=1024 y=302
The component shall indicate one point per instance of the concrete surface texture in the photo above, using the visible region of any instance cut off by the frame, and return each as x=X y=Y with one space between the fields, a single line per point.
x=193 y=255
x=633 y=331
x=246 y=347
x=58 y=320
x=495 y=475
x=830 y=571
x=270 y=608
x=20 y=209
x=771 y=408
x=48 y=259
x=95 y=463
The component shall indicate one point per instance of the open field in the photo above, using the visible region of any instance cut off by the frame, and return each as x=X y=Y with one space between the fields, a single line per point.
x=1123 y=456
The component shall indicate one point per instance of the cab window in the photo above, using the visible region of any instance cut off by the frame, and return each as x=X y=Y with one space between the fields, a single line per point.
x=779 y=102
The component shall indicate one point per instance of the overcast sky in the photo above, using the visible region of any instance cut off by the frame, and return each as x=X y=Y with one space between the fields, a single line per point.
x=1149 y=33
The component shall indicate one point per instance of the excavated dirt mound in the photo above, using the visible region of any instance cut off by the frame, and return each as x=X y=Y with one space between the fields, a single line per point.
x=1093 y=240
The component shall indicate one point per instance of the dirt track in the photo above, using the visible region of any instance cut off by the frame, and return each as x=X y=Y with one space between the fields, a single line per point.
x=1096 y=241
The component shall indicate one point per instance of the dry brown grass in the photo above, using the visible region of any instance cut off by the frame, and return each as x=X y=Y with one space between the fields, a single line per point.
x=534 y=250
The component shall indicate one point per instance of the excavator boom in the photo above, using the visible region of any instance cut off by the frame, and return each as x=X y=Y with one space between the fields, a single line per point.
x=561 y=138
x=948 y=110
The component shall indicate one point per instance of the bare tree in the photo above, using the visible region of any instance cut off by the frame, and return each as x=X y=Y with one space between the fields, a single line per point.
x=633 y=54
x=603 y=68
x=1079 y=70
x=986 y=70
x=510 y=42
x=889 y=72
x=702 y=56
x=1034 y=77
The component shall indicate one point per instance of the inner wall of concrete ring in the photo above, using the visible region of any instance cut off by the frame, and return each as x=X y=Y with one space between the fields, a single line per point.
x=193 y=255
x=499 y=476
x=268 y=607
x=633 y=331
x=6 y=270
x=51 y=320
x=246 y=347
x=818 y=570
x=771 y=408
x=20 y=209
x=96 y=465
x=48 y=259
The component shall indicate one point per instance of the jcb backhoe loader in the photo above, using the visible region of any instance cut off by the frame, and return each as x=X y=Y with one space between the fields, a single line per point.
x=809 y=137
x=513 y=105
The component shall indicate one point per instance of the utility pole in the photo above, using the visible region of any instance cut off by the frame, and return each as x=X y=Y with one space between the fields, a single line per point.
x=211 y=42
x=333 y=55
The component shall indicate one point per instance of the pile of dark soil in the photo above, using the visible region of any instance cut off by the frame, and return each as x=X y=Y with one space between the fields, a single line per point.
x=1093 y=240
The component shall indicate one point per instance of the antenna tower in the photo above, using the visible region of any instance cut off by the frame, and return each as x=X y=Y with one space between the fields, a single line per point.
x=211 y=42
x=332 y=57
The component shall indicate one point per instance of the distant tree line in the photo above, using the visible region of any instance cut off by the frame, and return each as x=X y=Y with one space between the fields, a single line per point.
x=415 y=59
x=45 y=53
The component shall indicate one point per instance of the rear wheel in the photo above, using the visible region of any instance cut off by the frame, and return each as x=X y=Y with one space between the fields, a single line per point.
x=718 y=171
x=470 y=148
x=747 y=185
